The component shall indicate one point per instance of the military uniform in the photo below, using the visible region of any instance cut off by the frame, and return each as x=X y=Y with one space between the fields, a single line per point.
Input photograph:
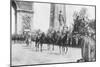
x=88 y=49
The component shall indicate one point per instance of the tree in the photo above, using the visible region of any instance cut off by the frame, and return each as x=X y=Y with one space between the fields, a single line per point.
x=80 y=21
x=92 y=24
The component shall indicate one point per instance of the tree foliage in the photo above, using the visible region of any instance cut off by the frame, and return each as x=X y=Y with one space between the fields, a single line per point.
x=80 y=21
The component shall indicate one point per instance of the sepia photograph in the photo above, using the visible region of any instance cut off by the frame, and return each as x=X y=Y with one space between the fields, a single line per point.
x=51 y=33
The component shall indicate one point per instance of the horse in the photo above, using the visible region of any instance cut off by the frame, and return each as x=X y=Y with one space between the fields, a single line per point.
x=48 y=40
x=40 y=39
x=63 y=43
x=37 y=42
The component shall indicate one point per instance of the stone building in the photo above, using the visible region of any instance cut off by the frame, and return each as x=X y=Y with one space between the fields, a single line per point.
x=22 y=17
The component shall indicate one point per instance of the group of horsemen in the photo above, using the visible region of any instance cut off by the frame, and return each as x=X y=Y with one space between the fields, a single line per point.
x=62 y=39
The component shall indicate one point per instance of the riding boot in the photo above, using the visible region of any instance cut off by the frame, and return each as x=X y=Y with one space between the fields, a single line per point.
x=60 y=49
x=66 y=50
x=41 y=49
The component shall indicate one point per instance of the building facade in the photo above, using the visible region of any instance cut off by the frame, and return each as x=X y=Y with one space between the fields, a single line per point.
x=23 y=16
x=58 y=16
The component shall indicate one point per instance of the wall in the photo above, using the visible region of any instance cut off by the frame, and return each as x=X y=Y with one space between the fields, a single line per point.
x=20 y=21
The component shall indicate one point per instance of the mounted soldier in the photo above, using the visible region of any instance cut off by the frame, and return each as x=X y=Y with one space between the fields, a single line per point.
x=42 y=40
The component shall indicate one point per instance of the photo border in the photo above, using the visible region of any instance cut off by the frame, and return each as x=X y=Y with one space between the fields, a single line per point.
x=46 y=3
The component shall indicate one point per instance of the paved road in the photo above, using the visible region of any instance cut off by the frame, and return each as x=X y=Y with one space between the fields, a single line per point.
x=22 y=55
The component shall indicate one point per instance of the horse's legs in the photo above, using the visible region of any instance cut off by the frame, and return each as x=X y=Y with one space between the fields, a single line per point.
x=63 y=49
x=66 y=50
x=53 y=47
x=30 y=44
x=41 y=47
x=48 y=46
x=60 y=49
x=27 y=43
x=36 y=45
